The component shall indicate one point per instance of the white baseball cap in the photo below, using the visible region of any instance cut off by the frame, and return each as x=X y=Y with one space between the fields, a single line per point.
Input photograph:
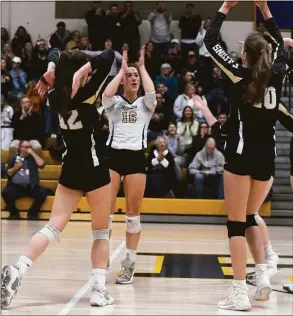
x=16 y=60
x=166 y=66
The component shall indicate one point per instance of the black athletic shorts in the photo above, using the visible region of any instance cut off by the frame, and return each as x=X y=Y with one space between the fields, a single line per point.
x=84 y=179
x=258 y=169
x=126 y=162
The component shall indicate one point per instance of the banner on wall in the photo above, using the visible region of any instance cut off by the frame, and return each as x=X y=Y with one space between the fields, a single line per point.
x=282 y=11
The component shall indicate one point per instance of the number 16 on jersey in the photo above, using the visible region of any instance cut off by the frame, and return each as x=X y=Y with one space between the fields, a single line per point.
x=129 y=117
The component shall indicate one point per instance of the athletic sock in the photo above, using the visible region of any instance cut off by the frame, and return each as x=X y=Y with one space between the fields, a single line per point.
x=269 y=250
x=99 y=276
x=241 y=283
x=130 y=255
x=24 y=263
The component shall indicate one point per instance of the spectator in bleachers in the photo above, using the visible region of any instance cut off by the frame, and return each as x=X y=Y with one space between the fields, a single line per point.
x=174 y=58
x=185 y=78
x=176 y=148
x=6 y=79
x=27 y=60
x=167 y=103
x=187 y=99
x=221 y=139
x=6 y=113
x=20 y=39
x=189 y=24
x=27 y=125
x=169 y=80
x=95 y=19
x=160 y=171
x=23 y=181
x=218 y=91
x=40 y=59
x=192 y=63
x=4 y=37
x=160 y=20
x=152 y=60
x=73 y=43
x=130 y=21
x=205 y=59
x=198 y=141
x=61 y=37
x=84 y=43
x=112 y=27
x=8 y=55
x=207 y=168
x=19 y=78
x=157 y=123
x=187 y=127
x=124 y=47
x=32 y=94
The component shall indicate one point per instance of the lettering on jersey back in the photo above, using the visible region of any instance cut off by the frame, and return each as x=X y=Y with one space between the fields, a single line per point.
x=71 y=122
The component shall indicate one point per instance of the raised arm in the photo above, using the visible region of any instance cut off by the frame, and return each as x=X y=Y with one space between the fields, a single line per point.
x=232 y=69
x=147 y=83
x=279 y=58
x=285 y=117
x=101 y=64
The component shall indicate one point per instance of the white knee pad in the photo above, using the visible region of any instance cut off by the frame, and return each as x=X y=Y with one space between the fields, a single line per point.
x=110 y=222
x=133 y=224
x=101 y=234
x=51 y=232
x=258 y=219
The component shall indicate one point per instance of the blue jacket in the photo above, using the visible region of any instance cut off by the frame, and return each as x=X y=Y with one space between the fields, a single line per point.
x=33 y=167
x=19 y=84
x=172 y=85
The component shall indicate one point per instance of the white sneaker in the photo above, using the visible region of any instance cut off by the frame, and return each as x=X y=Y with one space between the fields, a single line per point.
x=263 y=285
x=272 y=264
x=100 y=296
x=10 y=281
x=236 y=300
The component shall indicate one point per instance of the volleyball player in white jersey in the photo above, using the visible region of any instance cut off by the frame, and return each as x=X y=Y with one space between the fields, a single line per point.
x=129 y=116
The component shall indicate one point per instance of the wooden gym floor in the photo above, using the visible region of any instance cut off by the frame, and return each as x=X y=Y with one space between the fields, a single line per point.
x=181 y=270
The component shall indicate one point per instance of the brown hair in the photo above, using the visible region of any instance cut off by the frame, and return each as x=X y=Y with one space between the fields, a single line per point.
x=259 y=61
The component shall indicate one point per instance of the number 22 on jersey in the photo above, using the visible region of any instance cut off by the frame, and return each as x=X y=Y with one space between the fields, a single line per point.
x=72 y=124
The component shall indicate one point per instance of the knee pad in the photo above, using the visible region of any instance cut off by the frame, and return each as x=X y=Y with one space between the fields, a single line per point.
x=250 y=221
x=133 y=224
x=101 y=234
x=258 y=219
x=51 y=232
x=236 y=229
x=110 y=222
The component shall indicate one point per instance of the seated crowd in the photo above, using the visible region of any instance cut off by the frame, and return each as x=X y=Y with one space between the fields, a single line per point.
x=180 y=140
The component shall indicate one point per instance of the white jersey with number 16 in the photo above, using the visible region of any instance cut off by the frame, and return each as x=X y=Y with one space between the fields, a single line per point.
x=129 y=121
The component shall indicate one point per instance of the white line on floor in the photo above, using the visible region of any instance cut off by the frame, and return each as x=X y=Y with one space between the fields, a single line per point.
x=68 y=307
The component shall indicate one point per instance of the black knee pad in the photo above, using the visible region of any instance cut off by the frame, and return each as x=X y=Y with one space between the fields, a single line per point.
x=236 y=229
x=250 y=221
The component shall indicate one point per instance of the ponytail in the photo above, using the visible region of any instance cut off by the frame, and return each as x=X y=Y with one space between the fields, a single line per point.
x=259 y=61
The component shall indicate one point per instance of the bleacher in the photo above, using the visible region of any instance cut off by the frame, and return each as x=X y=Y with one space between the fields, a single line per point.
x=168 y=206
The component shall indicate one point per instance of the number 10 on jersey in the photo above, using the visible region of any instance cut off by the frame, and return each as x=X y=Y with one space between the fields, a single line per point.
x=129 y=117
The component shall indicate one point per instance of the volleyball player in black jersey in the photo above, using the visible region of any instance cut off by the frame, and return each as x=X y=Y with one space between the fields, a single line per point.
x=83 y=171
x=249 y=154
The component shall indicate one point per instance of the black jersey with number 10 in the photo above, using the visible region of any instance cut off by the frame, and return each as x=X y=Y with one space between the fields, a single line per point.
x=251 y=130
